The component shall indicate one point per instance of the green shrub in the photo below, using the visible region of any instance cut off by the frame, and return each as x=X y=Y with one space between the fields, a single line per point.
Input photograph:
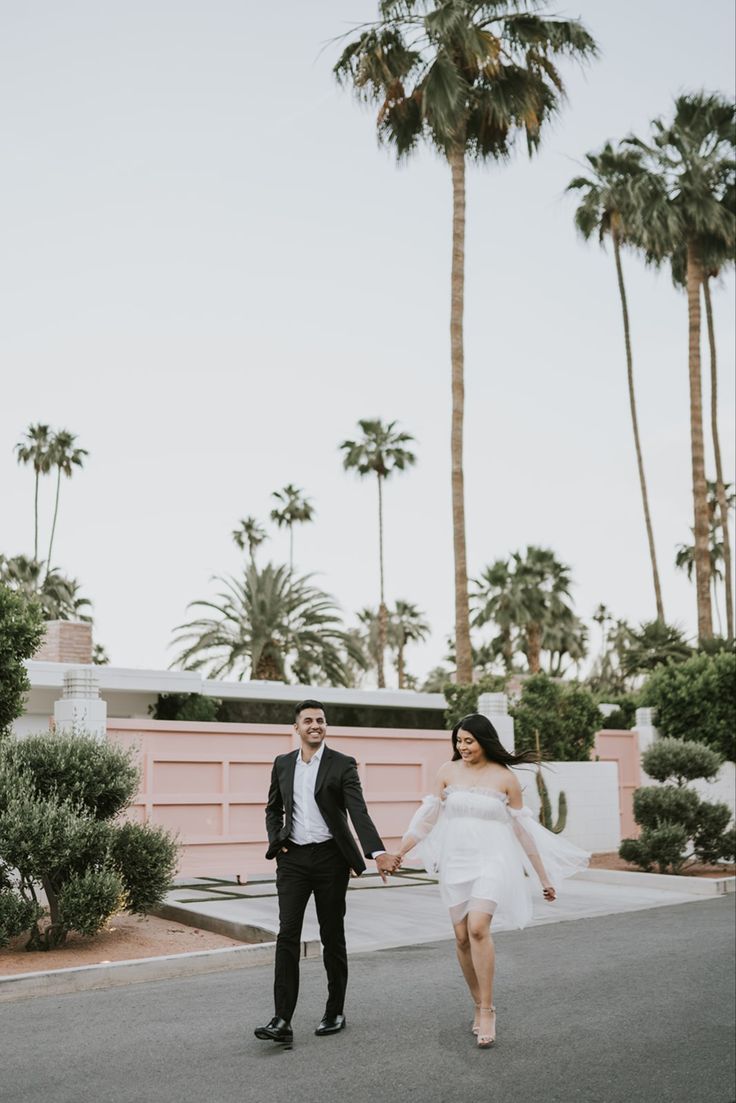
x=16 y=915
x=709 y=839
x=654 y=805
x=696 y=699
x=662 y=846
x=624 y=716
x=146 y=858
x=100 y=777
x=673 y=818
x=59 y=801
x=564 y=716
x=680 y=760
x=21 y=632
x=185 y=706
x=463 y=699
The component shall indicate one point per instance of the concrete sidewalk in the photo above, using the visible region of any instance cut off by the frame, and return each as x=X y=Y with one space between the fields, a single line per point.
x=407 y=911
x=634 y=1008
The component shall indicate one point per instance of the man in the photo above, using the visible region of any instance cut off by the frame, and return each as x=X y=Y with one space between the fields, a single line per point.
x=312 y=790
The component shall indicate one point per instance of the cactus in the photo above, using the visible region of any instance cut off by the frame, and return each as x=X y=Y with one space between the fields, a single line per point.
x=545 y=808
x=545 y=805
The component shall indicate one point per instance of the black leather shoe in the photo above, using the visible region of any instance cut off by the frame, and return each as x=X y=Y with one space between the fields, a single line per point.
x=278 y=1030
x=331 y=1024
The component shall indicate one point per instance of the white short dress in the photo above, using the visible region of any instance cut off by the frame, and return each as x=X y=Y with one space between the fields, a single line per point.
x=480 y=849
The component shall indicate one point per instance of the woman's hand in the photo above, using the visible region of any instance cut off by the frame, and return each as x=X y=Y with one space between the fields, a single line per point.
x=549 y=893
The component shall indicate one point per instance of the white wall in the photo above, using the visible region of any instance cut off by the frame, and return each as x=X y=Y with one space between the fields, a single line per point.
x=591 y=788
x=723 y=788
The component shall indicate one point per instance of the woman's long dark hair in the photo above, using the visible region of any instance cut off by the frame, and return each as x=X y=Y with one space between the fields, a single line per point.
x=482 y=730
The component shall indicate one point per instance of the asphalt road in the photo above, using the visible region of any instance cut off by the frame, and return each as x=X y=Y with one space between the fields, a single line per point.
x=635 y=1008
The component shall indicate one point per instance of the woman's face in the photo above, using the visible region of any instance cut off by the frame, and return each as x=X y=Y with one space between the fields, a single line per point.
x=470 y=749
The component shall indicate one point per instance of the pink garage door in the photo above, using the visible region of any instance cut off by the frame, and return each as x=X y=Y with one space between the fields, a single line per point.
x=622 y=747
x=209 y=783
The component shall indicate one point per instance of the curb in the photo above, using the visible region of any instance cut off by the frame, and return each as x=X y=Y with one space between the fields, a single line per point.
x=82 y=978
x=668 y=882
x=189 y=917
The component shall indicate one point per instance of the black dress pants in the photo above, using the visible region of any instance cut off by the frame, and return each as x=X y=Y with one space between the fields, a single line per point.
x=321 y=869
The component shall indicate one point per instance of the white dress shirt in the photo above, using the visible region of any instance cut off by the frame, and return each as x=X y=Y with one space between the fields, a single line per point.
x=307 y=822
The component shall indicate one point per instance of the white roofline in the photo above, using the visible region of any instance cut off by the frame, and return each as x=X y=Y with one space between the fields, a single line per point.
x=131 y=680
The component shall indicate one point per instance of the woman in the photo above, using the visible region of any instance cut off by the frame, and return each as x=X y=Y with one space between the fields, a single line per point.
x=476 y=833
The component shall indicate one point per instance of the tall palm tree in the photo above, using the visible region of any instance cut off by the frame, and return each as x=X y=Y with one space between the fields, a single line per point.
x=380 y=451
x=35 y=449
x=717 y=255
x=250 y=533
x=270 y=625
x=611 y=207
x=407 y=626
x=464 y=76
x=694 y=153
x=685 y=557
x=710 y=272
x=295 y=509
x=64 y=456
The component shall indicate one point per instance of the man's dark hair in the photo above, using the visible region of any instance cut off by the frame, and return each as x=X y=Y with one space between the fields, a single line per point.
x=308 y=704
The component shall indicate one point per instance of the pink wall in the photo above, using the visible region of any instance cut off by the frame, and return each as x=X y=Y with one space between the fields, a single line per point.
x=209 y=783
x=622 y=747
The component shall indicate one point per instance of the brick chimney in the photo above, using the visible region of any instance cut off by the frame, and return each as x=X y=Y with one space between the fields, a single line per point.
x=66 y=641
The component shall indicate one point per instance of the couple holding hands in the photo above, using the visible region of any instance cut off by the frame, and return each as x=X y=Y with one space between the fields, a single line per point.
x=472 y=830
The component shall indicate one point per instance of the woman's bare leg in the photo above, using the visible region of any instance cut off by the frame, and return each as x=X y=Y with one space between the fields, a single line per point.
x=464 y=957
x=483 y=958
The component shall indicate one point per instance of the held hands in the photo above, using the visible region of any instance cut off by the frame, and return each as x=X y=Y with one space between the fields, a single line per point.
x=549 y=894
x=387 y=864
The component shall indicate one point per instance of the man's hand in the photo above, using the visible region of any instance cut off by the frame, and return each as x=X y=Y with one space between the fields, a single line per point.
x=387 y=864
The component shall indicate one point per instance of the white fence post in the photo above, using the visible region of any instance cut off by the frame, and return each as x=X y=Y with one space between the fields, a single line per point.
x=81 y=709
x=496 y=707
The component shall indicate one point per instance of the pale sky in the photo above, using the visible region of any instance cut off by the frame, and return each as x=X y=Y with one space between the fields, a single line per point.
x=209 y=271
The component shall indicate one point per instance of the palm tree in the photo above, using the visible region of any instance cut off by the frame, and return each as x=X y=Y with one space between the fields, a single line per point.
x=381 y=451
x=695 y=156
x=496 y=599
x=685 y=557
x=58 y=595
x=250 y=533
x=407 y=626
x=653 y=645
x=465 y=76
x=609 y=206
x=717 y=256
x=269 y=625
x=543 y=584
x=64 y=456
x=295 y=510
x=35 y=449
x=710 y=272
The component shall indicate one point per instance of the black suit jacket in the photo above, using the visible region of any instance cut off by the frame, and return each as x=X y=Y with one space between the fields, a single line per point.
x=337 y=792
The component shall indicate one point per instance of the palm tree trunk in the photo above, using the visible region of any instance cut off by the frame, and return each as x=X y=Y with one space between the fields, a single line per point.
x=35 y=519
x=400 y=664
x=635 y=426
x=53 y=524
x=462 y=617
x=534 y=647
x=382 y=610
x=700 y=490
x=291 y=548
x=720 y=486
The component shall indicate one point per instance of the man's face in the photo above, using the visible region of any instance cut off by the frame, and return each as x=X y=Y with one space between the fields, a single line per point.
x=311 y=727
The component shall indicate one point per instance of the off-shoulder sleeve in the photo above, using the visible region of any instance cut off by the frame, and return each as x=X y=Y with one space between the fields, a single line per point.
x=424 y=819
x=559 y=857
x=425 y=833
